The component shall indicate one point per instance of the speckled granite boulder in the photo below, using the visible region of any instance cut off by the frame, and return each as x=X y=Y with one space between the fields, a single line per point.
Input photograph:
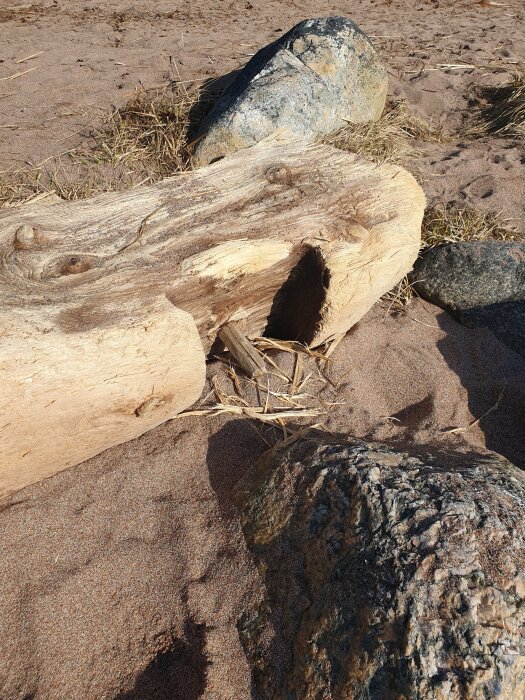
x=482 y=283
x=462 y=276
x=311 y=81
x=387 y=576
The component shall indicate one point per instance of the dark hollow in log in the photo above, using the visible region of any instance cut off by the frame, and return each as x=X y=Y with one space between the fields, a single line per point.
x=296 y=308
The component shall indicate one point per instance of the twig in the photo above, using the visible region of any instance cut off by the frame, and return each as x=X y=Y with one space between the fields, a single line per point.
x=332 y=344
x=28 y=58
x=256 y=412
x=247 y=357
x=17 y=75
x=478 y=420
x=297 y=374
x=290 y=439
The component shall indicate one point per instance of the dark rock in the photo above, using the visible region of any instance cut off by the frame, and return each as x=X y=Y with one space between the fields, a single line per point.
x=387 y=576
x=481 y=283
x=311 y=81
x=462 y=276
x=506 y=320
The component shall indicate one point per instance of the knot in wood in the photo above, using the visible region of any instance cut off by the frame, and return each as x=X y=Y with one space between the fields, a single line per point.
x=74 y=265
x=24 y=237
x=281 y=175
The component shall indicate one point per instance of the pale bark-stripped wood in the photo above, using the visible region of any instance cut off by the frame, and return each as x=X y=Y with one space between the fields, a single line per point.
x=243 y=352
x=103 y=301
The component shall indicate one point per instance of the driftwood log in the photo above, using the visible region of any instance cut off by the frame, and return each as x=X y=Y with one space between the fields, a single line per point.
x=109 y=306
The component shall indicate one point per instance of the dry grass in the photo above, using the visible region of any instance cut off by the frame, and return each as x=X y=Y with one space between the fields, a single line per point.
x=148 y=135
x=143 y=141
x=20 y=186
x=280 y=395
x=503 y=110
x=14 y=191
x=391 y=139
x=398 y=297
x=74 y=181
x=60 y=183
x=477 y=421
x=447 y=224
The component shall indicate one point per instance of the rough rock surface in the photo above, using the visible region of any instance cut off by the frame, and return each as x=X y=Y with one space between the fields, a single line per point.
x=481 y=283
x=387 y=576
x=314 y=79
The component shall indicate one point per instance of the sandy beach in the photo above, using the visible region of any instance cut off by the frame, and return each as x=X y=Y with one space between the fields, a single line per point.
x=125 y=577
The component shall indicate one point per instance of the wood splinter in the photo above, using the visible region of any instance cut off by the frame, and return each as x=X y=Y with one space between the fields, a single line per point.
x=247 y=357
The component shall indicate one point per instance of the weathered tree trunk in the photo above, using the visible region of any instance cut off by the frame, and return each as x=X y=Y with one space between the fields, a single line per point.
x=102 y=301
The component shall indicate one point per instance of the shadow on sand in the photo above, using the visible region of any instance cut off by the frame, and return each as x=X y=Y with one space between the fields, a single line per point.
x=209 y=93
x=498 y=402
x=179 y=673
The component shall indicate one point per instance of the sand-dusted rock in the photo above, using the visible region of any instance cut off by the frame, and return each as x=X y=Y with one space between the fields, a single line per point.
x=482 y=283
x=313 y=80
x=387 y=576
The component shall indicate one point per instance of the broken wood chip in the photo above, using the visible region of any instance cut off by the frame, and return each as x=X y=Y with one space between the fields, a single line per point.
x=247 y=357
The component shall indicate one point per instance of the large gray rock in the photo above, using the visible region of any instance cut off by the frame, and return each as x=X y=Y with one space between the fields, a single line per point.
x=387 y=576
x=311 y=81
x=481 y=283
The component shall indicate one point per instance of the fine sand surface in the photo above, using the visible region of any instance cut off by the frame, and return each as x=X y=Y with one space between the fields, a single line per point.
x=124 y=577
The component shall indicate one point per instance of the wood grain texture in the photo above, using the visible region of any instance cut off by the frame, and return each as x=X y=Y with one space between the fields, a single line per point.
x=108 y=306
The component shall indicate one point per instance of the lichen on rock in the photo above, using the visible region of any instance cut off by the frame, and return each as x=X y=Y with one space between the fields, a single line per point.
x=316 y=78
